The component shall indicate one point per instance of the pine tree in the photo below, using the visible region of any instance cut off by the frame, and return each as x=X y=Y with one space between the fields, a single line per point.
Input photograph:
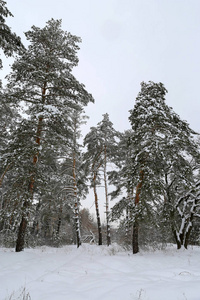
x=101 y=147
x=42 y=79
x=107 y=136
x=9 y=41
x=124 y=183
x=162 y=144
x=76 y=186
x=93 y=162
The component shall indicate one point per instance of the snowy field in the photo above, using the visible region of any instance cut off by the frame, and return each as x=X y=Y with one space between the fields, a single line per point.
x=99 y=273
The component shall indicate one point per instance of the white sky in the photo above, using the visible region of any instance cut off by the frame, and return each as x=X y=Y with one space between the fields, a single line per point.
x=125 y=42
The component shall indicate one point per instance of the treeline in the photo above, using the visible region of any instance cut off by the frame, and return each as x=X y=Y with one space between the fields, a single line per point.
x=151 y=170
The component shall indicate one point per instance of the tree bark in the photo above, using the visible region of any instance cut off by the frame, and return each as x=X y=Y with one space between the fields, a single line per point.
x=24 y=222
x=58 y=226
x=22 y=230
x=21 y=235
x=4 y=173
x=76 y=205
x=135 y=242
x=97 y=210
x=106 y=196
x=35 y=229
x=76 y=202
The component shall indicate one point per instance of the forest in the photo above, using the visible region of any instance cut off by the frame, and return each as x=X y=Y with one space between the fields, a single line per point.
x=150 y=171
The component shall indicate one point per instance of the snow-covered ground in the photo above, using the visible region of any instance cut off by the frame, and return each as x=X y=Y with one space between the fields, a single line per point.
x=99 y=273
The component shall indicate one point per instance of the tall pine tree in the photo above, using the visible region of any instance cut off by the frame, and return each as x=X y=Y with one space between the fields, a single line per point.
x=42 y=79
x=162 y=144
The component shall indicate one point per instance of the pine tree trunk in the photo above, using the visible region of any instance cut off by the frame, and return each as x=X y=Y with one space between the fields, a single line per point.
x=58 y=226
x=76 y=205
x=3 y=175
x=77 y=225
x=107 y=202
x=35 y=229
x=97 y=210
x=127 y=225
x=21 y=235
x=24 y=222
x=135 y=243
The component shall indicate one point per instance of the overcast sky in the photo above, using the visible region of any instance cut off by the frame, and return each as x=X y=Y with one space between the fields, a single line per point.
x=125 y=42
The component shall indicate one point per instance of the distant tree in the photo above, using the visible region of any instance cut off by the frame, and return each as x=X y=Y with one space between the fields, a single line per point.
x=88 y=226
x=93 y=162
x=121 y=177
x=107 y=136
x=74 y=183
x=101 y=143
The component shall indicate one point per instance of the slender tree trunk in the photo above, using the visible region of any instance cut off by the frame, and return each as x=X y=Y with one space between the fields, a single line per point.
x=58 y=226
x=135 y=244
x=107 y=201
x=129 y=199
x=24 y=222
x=97 y=210
x=136 y=222
x=35 y=229
x=76 y=205
x=4 y=173
x=127 y=222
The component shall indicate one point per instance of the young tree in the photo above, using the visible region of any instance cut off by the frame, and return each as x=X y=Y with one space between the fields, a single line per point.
x=42 y=79
x=75 y=183
x=93 y=161
x=107 y=136
x=101 y=147
x=124 y=182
